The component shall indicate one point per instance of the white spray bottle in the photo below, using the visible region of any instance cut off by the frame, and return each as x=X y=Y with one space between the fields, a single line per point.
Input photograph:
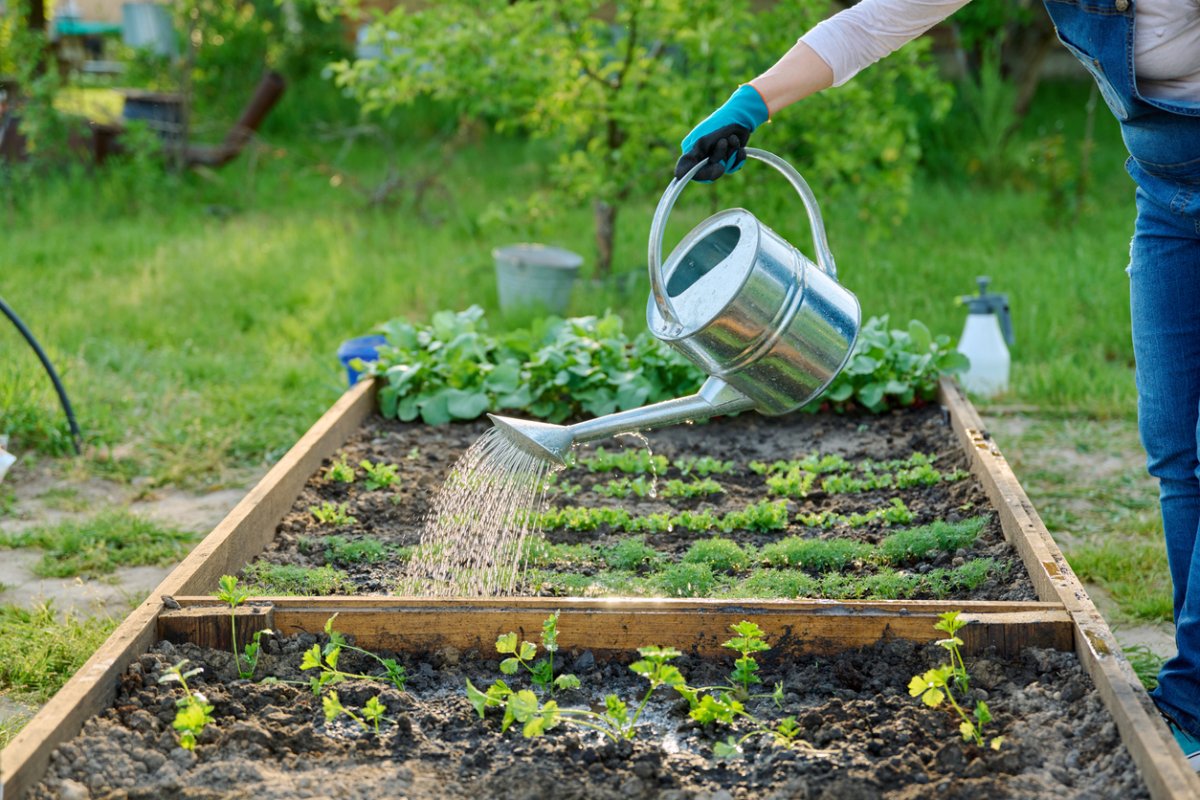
x=985 y=341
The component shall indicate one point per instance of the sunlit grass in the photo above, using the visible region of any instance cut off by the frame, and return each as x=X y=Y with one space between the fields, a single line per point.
x=98 y=546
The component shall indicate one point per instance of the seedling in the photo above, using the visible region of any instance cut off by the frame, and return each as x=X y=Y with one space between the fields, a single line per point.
x=368 y=717
x=542 y=671
x=379 y=476
x=229 y=592
x=704 y=466
x=939 y=684
x=192 y=711
x=340 y=471
x=629 y=461
x=325 y=661
x=330 y=513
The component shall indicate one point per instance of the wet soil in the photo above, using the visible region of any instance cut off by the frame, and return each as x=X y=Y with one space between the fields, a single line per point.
x=866 y=737
x=426 y=454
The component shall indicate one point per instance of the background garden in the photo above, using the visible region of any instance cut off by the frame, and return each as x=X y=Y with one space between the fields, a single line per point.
x=195 y=314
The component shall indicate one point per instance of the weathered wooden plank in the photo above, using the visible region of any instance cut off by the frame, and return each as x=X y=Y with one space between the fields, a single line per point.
x=1162 y=764
x=699 y=605
x=793 y=627
x=240 y=537
x=214 y=627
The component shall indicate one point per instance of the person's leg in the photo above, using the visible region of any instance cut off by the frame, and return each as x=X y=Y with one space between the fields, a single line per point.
x=1164 y=274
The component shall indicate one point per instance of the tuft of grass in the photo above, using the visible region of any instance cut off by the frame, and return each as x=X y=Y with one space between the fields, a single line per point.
x=1146 y=664
x=288 y=579
x=632 y=555
x=916 y=543
x=719 y=553
x=100 y=545
x=65 y=498
x=575 y=584
x=1135 y=573
x=686 y=580
x=40 y=648
x=819 y=555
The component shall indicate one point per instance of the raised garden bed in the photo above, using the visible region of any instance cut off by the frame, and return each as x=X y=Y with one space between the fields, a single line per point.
x=1029 y=637
x=863 y=735
x=832 y=506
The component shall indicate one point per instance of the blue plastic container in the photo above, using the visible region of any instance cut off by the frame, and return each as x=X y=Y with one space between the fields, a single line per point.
x=363 y=347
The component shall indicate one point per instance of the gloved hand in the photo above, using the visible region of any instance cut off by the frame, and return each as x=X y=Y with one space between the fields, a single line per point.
x=723 y=135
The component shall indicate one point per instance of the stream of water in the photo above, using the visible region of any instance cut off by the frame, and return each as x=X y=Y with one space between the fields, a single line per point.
x=473 y=537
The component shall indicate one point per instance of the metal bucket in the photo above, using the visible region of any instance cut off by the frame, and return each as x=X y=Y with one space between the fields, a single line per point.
x=746 y=307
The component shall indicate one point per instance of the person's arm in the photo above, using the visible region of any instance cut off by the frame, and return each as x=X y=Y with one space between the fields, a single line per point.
x=829 y=55
x=798 y=74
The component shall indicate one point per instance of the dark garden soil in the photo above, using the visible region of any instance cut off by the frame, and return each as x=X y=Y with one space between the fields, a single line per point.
x=393 y=516
x=271 y=741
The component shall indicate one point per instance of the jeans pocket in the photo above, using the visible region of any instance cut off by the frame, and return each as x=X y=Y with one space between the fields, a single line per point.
x=1118 y=104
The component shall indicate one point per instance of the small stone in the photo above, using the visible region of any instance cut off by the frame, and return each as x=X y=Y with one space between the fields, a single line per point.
x=73 y=790
x=586 y=662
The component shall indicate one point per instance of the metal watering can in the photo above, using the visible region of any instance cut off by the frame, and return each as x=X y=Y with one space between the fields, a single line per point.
x=769 y=327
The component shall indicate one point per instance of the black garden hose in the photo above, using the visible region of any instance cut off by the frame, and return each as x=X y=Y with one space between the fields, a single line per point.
x=76 y=436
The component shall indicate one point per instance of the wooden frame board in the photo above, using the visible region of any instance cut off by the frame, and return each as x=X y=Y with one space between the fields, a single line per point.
x=1063 y=617
x=620 y=625
x=1160 y=760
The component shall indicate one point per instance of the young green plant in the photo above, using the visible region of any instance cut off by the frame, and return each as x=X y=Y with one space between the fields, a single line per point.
x=192 y=711
x=939 y=684
x=233 y=595
x=379 y=475
x=330 y=513
x=368 y=716
x=325 y=661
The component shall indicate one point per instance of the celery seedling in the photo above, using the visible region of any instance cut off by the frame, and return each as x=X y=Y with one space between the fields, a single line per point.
x=935 y=685
x=368 y=716
x=541 y=672
x=325 y=660
x=193 y=711
x=229 y=592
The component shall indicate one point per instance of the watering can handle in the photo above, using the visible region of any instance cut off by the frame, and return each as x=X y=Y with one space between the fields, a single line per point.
x=667 y=203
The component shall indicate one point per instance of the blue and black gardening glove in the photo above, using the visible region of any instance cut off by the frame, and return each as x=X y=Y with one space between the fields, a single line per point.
x=723 y=135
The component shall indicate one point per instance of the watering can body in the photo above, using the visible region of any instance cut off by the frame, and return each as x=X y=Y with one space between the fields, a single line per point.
x=744 y=305
x=770 y=327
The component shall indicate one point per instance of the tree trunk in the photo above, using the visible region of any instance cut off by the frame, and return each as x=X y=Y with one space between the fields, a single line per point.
x=605 y=216
x=1033 y=45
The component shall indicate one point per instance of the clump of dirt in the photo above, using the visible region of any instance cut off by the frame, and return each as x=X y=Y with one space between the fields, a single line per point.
x=394 y=517
x=867 y=737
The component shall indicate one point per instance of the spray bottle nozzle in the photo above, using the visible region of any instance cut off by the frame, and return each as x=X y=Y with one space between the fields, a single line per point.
x=990 y=303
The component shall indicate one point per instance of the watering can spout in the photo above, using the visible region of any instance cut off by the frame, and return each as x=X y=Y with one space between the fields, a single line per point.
x=554 y=442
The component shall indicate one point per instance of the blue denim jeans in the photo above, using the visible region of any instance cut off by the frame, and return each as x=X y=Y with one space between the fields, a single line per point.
x=1164 y=300
x=1163 y=138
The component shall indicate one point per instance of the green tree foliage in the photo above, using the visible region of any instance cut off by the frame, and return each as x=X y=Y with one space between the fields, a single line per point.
x=616 y=85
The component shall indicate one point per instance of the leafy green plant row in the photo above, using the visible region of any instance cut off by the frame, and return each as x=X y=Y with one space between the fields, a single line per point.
x=700 y=580
x=761 y=517
x=453 y=368
x=796 y=478
x=617 y=719
x=766 y=515
x=668 y=489
x=792 y=552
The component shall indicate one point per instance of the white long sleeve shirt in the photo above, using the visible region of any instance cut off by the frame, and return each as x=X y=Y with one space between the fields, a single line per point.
x=1166 y=40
